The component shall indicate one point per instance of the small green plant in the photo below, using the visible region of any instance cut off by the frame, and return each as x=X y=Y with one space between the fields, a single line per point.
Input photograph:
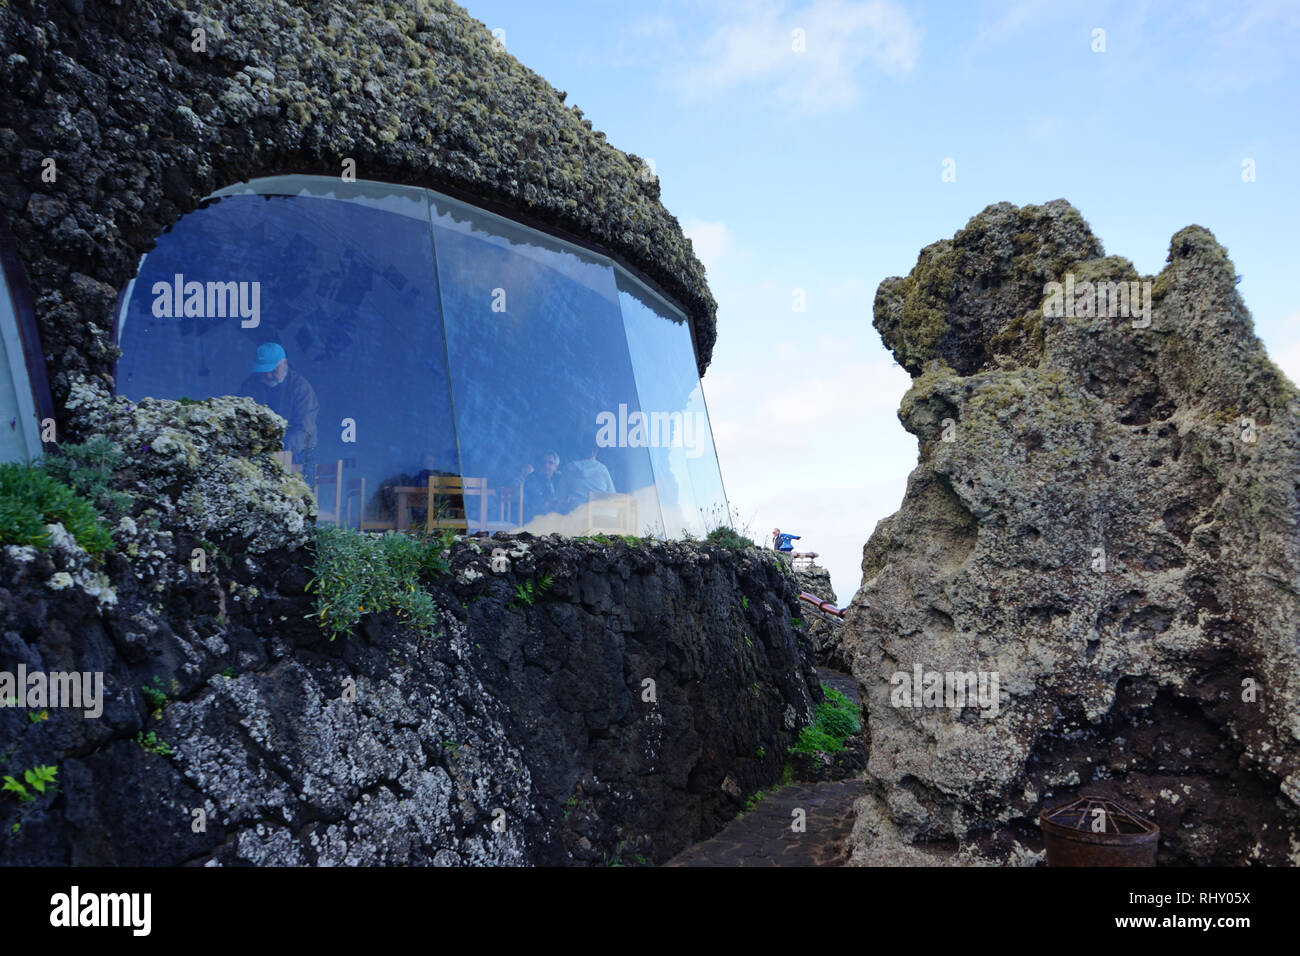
x=30 y=498
x=357 y=574
x=40 y=715
x=570 y=804
x=755 y=800
x=153 y=745
x=88 y=470
x=725 y=528
x=527 y=594
x=727 y=538
x=760 y=753
x=796 y=622
x=155 y=694
x=744 y=602
x=213 y=551
x=228 y=672
x=34 y=777
x=835 y=720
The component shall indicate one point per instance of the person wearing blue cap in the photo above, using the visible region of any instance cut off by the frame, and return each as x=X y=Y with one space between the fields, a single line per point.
x=286 y=393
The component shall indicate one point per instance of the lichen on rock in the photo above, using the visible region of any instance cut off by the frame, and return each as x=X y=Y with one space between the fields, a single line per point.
x=205 y=467
x=1103 y=514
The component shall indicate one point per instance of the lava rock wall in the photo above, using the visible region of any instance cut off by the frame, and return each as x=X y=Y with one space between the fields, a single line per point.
x=1105 y=517
x=577 y=701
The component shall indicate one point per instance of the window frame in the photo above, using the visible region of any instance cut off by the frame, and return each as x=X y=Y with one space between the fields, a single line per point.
x=27 y=341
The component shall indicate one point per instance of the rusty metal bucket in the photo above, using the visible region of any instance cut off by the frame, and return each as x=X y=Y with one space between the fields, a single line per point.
x=1094 y=830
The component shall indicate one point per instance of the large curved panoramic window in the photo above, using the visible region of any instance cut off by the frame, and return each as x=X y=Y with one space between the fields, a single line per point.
x=437 y=365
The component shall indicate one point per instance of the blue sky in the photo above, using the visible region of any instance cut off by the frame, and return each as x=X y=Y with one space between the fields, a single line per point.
x=821 y=171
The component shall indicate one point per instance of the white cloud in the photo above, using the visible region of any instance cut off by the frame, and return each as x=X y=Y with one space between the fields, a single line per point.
x=1011 y=20
x=757 y=49
x=711 y=240
x=803 y=404
x=810 y=441
x=1287 y=358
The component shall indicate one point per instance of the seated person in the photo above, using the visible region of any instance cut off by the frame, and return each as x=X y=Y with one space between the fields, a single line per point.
x=540 y=486
x=286 y=393
x=580 y=477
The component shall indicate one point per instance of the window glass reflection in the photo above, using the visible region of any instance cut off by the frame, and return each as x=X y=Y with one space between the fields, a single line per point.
x=438 y=366
x=679 y=436
x=541 y=380
x=19 y=435
x=325 y=311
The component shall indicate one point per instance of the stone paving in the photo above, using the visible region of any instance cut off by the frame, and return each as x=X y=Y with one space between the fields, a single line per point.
x=764 y=836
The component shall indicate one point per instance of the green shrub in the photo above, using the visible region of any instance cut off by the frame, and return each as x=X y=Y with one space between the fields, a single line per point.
x=814 y=740
x=88 y=470
x=836 y=720
x=837 y=723
x=30 y=499
x=723 y=524
x=357 y=574
x=725 y=537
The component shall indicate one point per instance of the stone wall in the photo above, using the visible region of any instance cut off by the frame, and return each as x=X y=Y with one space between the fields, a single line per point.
x=825 y=632
x=393 y=746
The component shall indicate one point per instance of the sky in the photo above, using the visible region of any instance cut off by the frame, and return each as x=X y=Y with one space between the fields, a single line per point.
x=803 y=147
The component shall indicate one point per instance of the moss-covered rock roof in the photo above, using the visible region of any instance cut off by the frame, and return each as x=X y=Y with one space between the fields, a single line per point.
x=141 y=127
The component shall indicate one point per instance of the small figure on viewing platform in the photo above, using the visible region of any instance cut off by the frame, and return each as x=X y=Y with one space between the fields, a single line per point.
x=781 y=542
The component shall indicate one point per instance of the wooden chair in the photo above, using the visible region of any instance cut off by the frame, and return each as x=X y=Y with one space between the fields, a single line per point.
x=464 y=488
x=327 y=475
x=356 y=488
x=331 y=475
x=616 y=512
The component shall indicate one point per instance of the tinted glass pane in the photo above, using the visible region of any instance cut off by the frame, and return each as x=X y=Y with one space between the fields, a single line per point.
x=329 y=316
x=19 y=434
x=539 y=364
x=681 y=443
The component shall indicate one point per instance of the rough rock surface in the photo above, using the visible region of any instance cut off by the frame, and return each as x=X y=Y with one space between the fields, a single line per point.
x=393 y=746
x=203 y=467
x=141 y=126
x=825 y=632
x=1105 y=515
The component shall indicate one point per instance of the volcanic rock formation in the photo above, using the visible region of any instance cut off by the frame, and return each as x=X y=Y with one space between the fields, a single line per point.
x=1104 y=519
